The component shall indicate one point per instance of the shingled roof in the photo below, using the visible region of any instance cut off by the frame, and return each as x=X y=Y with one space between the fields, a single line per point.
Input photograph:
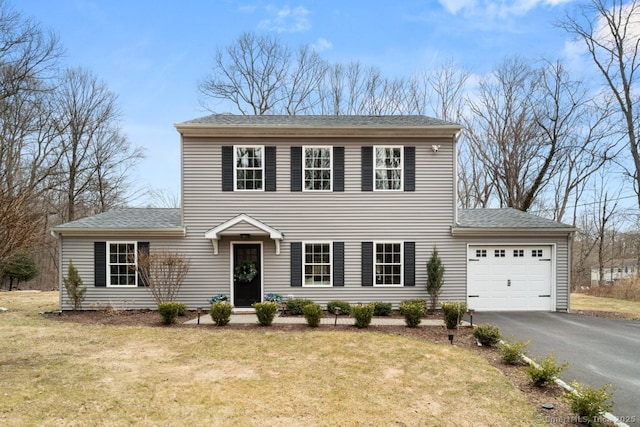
x=129 y=220
x=506 y=219
x=318 y=121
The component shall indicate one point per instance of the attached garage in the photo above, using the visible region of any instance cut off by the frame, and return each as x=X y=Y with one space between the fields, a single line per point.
x=518 y=277
x=515 y=261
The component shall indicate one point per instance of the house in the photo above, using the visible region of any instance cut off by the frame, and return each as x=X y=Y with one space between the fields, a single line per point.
x=323 y=207
x=615 y=270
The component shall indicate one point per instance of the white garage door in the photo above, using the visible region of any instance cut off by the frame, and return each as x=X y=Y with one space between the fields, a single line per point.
x=509 y=278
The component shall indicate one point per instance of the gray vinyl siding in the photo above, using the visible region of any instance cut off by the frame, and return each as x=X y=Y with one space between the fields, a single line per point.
x=423 y=216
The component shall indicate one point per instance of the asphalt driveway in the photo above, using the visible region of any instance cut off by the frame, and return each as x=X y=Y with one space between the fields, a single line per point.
x=599 y=350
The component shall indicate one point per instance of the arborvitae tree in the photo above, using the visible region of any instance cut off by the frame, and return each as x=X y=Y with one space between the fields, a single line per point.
x=435 y=275
x=21 y=267
x=74 y=286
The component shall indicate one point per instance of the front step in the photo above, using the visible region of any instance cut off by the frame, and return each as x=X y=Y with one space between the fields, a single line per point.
x=243 y=310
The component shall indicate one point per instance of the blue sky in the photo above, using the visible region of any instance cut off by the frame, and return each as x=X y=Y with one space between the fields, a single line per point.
x=153 y=53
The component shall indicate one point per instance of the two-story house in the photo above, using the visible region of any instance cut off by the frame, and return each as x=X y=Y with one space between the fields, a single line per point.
x=323 y=207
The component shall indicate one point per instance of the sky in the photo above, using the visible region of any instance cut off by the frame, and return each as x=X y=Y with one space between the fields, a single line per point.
x=152 y=54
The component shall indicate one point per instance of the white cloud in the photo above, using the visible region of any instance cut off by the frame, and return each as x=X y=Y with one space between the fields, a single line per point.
x=286 y=20
x=322 y=44
x=495 y=9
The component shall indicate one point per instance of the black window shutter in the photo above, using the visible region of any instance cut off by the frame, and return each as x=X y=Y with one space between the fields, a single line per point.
x=409 y=263
x=367 y=169
x=296 y=168
x=338 y=168
x=409 y=168
x=143 y=248
x=227 y=168
x=338 y=263
x=270 y=168
x=296 y=263
x=100 y=263
x=367 y=263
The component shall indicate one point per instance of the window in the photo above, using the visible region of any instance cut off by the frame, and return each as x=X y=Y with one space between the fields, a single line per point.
x=518 y=253
x=249 y=167
x=536 y=253
x=388 y=168
x=388 y=264
x=481 y=253
x=317 y=168
x=499 y=253
x=317 y=264
x=122 y=258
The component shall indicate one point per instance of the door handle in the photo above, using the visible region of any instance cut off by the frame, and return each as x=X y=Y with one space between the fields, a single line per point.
x=509 y=282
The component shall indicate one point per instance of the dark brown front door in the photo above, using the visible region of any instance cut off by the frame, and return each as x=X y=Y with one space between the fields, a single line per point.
x=246 y=293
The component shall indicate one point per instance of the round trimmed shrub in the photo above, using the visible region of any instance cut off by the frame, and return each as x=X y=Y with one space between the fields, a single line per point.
x=487 y=334
x=382 y=308
x=220 y=313
x=266 y=311
x=344 y=306
x=363 y=314
x=412 y=312
x=313 y=313
x=295 y=305
x=170 y=310
x=453 y=313
x=512 y=351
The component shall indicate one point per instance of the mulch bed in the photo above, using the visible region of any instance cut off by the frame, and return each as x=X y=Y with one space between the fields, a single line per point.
x=538 y=396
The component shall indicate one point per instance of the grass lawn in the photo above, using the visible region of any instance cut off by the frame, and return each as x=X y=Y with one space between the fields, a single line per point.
x=62 y=373
x=591 y=303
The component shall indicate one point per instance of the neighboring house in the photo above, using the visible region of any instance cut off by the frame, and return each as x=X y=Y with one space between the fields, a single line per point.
x=325 y=207
x=615 y=270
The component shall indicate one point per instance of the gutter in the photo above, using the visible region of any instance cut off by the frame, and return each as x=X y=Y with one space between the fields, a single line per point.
x=515 y=232
x=119 y=232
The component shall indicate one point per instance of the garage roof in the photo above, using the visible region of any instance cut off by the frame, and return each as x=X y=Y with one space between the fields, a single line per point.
x=505 y=220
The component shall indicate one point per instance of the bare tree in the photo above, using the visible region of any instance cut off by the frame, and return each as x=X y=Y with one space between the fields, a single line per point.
x=610 y=31
x=95 y=155
x=252 y=73
x=163 y=272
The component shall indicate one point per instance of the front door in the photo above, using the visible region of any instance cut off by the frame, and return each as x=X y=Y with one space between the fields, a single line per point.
x=247 y=287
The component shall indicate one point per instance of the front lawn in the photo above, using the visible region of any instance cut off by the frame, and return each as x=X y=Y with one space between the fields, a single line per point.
x=54 y=373
x=588 y=303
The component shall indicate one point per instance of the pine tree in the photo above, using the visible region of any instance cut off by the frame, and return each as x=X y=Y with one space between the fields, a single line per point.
x=74 y=286
x=435 y=275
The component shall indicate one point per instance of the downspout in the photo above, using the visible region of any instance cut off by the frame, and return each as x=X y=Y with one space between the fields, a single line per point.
x=456 y=136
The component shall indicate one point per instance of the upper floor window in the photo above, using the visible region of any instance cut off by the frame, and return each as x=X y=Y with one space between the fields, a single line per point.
x=317 y=168
x=122 y=258
x=388 y=168
x=249 y=167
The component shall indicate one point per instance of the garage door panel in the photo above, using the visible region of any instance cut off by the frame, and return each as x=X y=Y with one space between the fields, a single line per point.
x=509 y=277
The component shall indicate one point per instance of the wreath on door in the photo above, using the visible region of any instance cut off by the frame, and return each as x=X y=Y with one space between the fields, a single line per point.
x=246 y=271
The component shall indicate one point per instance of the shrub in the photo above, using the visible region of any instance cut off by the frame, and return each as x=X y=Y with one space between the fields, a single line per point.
x=266 y=311
x=73 y=285
x=170 y=310
x=588 y=403
x=453 y=313
x=218 y=298
x=382 y=308
x=512 y=351
x=420 y=301
x=220 y=313
x=362 y=314
x=412 y=311
x=313 y=313
x=344 y=306
x=273 y=297
x=544 y=372
x=487 y=334
x=295 y=305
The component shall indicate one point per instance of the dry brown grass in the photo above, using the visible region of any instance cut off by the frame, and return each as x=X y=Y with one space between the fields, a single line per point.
x=583 y=302
x=626 y=289
x=59 y=373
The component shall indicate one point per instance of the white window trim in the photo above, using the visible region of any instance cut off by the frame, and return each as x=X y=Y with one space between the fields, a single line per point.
x=304 y=263
x=235 y=167
x=108 y=262
x=375 y=148
x=304 y=168
x=375 y=252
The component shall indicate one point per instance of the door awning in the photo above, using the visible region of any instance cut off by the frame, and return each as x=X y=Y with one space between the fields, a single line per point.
x=241 y=225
